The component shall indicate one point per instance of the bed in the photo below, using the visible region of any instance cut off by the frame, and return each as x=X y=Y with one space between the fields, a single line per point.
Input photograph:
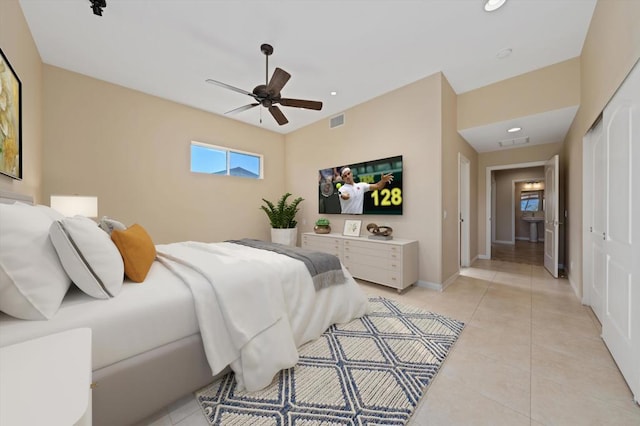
x=174 y=332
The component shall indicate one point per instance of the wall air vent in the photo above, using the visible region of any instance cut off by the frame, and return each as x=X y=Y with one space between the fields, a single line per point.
x=514 y=142
x=336 y=121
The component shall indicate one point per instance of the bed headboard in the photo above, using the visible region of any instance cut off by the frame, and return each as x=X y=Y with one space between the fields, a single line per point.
x=8 y=197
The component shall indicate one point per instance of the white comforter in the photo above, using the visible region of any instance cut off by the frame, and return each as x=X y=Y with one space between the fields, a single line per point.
x=256 y=307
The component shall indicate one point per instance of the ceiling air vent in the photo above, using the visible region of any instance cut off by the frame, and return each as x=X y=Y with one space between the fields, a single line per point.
x=514 y=142
x=336 y=121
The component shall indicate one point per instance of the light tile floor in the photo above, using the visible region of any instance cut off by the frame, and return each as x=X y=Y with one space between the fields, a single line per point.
x=530 y=354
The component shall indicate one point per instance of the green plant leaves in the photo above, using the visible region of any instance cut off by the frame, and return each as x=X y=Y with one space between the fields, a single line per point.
x=284 y=214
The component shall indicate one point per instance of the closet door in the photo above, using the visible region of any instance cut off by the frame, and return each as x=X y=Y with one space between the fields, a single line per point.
x=621 y=323
x=595 y=258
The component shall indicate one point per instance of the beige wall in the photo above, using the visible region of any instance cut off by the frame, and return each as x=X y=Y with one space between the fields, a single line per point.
x=611 y=48
x=132 y=150
x=546 y=89
x=406 y=122
x=19 y=48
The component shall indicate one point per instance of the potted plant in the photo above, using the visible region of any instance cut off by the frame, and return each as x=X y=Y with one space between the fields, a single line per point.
x=282 y=218
x=322 y=226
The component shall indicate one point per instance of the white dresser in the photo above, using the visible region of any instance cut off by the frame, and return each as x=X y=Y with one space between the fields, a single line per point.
x=393 y=263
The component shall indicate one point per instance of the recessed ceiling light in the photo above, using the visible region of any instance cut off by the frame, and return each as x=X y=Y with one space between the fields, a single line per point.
x=492 y=5
x=334 y=93
x=504 y=53
x=514 y=129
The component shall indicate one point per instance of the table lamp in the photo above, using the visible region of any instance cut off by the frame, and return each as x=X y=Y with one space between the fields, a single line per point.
x=71 y=205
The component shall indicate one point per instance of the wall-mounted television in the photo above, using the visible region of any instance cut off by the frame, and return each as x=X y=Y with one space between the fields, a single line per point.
x=342 y=189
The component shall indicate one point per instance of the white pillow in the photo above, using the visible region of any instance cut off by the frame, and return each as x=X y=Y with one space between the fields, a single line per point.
x=109 y=225
x=51 y=213
x=89 y=256
x=32 y=280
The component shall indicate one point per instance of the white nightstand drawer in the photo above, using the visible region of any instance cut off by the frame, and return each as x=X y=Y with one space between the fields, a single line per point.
x=47 y=380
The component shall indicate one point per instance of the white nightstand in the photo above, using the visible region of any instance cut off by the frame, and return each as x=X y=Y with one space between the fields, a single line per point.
x=47 y=380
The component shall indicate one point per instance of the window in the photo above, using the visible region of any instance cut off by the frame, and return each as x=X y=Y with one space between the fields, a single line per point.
x=530 y=201
x=225 y=161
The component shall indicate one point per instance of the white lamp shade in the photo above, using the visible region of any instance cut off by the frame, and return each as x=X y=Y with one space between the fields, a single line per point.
x=71 y=205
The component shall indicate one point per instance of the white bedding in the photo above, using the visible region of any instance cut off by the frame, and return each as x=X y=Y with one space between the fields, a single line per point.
x=268 y=306
x=142 y=317
x=161 y=310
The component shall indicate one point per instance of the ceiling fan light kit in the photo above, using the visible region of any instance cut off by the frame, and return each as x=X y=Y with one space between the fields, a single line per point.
x=268 y=94
x=492 y=5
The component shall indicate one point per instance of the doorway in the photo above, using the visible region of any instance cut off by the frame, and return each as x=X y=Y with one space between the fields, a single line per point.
x=491 y=207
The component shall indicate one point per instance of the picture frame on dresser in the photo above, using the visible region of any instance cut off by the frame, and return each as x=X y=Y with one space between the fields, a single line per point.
x=11 y=119
x=352 y=228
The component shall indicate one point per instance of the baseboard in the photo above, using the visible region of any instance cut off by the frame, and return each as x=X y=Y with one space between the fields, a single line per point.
x=511 y=243
x=450 y=280
x=429 y=285
x=482 y=256
x=575 y=288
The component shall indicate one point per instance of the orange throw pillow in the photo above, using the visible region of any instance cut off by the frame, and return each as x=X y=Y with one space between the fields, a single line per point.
x=137 y=250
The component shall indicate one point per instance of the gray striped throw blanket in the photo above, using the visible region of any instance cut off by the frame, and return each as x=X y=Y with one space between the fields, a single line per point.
x=325 y=269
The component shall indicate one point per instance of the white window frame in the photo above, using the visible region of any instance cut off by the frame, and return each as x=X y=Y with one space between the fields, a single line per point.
x=228 y=151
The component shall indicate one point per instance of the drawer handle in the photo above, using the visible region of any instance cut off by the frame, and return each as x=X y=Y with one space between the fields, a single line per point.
x=393 y=278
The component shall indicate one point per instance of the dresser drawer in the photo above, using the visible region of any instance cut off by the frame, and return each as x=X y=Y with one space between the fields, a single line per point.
x=376 y=275
x=325 y=245
x=386 y=252
x=389 y=263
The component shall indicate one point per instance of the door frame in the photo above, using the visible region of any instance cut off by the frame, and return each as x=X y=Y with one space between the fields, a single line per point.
x=488 y=193
x=552 y=212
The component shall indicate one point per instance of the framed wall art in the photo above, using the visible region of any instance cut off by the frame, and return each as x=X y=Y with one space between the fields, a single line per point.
x=10 y=120
x=352 y=228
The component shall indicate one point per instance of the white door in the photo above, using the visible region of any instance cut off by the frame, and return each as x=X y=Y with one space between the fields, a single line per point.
x=551 y=214
x=464 y=179
x=621 y=323
x=594 y=237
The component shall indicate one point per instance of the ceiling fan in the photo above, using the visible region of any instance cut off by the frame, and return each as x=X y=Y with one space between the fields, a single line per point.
x=268 y=94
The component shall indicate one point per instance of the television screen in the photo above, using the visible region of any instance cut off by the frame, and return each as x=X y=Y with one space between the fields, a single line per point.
x=352 y=189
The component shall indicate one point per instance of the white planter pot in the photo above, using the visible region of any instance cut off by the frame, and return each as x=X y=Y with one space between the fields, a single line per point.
x=286 y=236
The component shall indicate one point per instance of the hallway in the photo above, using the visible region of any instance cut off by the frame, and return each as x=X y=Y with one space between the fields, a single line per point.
x=521 y=252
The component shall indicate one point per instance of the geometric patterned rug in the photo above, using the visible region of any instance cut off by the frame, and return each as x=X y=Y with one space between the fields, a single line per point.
x=370 y=371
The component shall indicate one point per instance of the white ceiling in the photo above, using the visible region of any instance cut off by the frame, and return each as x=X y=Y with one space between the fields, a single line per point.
x=361 y=49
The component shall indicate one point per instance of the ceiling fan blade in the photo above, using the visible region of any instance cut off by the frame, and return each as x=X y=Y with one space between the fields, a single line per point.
x=226 y=86
x=242 y=108
x=301 y=103
x=277 y=82
x=278 y=115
